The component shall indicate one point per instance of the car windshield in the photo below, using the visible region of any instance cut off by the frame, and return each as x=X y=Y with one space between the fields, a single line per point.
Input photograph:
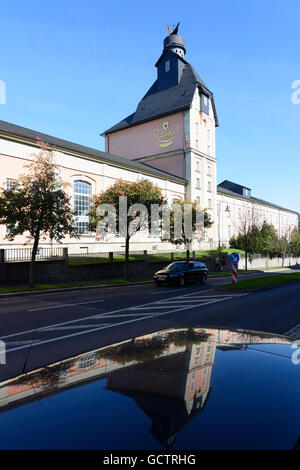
x=176 y=266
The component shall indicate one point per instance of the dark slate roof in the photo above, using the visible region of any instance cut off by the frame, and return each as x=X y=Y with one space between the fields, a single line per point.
x=236 y=188
x=255 y=200
x=10 y=130
x=157 y=104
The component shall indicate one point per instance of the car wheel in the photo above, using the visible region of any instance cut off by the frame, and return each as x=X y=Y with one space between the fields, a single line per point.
x=181 y=282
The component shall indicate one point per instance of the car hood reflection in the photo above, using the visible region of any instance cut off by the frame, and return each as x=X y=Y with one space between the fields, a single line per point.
x=167 y=375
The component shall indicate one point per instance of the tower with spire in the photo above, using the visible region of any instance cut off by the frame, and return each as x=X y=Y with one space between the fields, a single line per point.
x=173 y=127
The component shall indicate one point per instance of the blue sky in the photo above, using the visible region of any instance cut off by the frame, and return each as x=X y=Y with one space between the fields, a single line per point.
x=73 y=69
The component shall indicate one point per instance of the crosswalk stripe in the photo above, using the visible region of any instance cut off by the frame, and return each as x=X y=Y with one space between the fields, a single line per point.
x=145 y=311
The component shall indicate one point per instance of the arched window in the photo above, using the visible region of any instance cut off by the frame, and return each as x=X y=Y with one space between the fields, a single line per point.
x=82 y=200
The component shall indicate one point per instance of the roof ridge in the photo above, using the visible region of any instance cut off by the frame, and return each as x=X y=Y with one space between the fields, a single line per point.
x=7 y=128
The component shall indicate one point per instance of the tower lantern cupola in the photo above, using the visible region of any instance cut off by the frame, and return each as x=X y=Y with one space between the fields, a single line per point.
x=174 y=42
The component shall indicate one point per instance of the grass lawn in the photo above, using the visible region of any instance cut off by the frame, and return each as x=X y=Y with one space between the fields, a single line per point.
x=7 y=290
x=263 y=282
x=151 y=258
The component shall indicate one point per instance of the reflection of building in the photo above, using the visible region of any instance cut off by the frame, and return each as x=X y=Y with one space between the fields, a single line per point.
x=171 y=388
x=168 y=139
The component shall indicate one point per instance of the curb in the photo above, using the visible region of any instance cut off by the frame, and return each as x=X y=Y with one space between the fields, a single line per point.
x=68 y=289
x=259 y=289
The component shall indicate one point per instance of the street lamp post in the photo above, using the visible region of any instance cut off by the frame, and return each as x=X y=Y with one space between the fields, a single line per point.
x=219 y=218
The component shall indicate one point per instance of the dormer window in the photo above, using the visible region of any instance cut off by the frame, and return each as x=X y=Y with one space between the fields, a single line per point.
x=167 y=66
x=205 y=103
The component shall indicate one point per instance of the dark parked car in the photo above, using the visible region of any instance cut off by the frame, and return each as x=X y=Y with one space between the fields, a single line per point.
x=181 y=272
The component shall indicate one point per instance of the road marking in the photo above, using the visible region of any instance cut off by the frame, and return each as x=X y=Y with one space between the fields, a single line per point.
x=165 y=291
x=111 y=325
x=18 y=343
x=51 y=340
x=197 y=301
x=72 y=327
x=295 y=331
x=65 y=305
x=124 y=315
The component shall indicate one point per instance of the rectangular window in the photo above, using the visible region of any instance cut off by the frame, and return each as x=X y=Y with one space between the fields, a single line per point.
x=87 y=361
x=197 y=128
x=197 y=144
x=198 y=166
x=205 y=104
x=198 y=183
x=82 y=197
x=10 y=182
x=167 y=66
x=209 y=203
x=209 y=186
x=229 y=231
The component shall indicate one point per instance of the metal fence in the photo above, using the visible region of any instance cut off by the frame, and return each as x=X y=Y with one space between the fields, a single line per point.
x=88 y=258
x=13 y=255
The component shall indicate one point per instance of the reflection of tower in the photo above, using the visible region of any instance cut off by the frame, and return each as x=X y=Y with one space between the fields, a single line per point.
x=171 y=390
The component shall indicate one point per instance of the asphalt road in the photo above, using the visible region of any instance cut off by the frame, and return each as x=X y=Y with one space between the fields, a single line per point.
x=44 y=328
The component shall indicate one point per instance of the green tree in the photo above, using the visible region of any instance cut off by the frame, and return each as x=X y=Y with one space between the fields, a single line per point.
x=282 y=247
x=295 y=241
x=140 y=192
x=267 y=240
x=37 y=205
x=182 y=236
x=247 y=237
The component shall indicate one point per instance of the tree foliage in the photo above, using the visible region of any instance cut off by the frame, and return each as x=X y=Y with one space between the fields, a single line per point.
x=139 y=192
x=37 y=205
x=181 y=236
x=266 y=240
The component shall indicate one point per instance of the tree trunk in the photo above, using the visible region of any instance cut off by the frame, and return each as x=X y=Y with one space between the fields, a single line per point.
x=33 y=256
x=126 y=274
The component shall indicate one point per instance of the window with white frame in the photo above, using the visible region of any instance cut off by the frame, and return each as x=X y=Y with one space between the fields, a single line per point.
x=209 y=170
x=197 y=128
x=10 y=183
x=198 y=166
x=197 y=183
x=209 y=203
x=197 y=144
x=88 y=360
x=208 y=150
x=229 y=231
x=198 y=200
x=82 y=201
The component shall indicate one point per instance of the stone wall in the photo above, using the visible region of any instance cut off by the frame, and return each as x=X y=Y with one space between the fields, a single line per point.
x=59 y=271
